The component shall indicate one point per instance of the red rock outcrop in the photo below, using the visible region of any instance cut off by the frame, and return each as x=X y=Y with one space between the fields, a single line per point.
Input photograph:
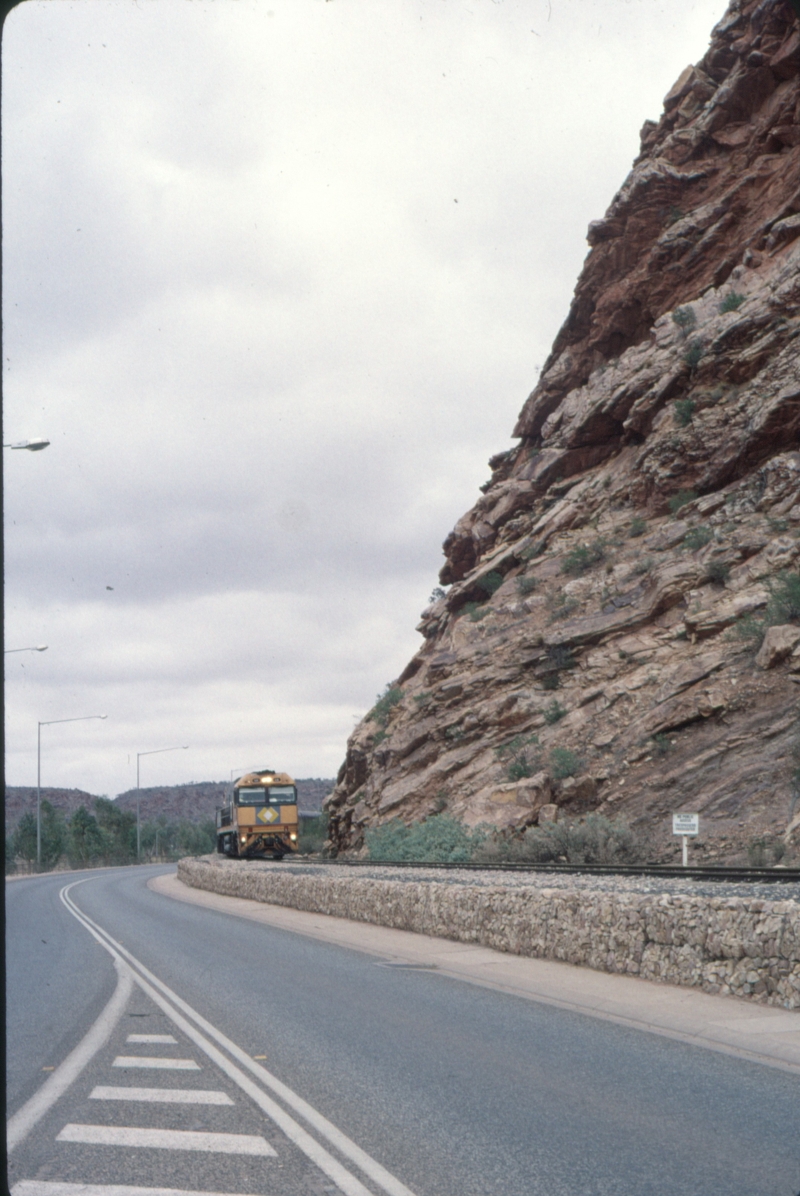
x=652 y=503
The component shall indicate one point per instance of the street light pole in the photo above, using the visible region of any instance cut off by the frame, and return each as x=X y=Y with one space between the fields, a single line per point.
x=49 y=723
x=156 y=752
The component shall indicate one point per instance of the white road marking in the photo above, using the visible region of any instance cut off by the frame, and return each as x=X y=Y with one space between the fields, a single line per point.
x=167 y=1096
x=125 y=1135
x=54 y=1087
x=44 y=1187
x=330 y=1166
x=165 y=1038
x=155 y=1061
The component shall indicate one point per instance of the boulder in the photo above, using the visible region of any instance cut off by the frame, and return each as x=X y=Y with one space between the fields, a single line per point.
x=548 y=813
x=779 y=642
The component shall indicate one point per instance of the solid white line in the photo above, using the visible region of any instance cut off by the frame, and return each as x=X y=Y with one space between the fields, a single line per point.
x=167 y=1096
x=44 y=1187
x=23 y=1121
x=156 y=1062
x=125 y=1135
x=165 y=1038
x=343 y=1179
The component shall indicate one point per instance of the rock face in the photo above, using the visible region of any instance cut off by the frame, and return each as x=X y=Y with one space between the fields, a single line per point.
x=652 y=504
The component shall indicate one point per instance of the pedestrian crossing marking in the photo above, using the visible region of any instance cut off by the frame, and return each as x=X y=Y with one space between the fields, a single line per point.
x=167 y=1039
x=156 y=1062
x=167 y=1096
x=124 y=1135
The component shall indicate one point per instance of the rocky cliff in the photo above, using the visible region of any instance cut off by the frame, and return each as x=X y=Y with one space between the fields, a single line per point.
x=621 y=623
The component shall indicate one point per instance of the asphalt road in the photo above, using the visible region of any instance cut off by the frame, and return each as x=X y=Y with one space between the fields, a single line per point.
x=455 y=1090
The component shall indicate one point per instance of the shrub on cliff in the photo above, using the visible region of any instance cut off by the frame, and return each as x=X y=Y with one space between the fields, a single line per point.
x=681 y=499
x=386 y=701
x=685 y=318
x=564 y=763
x=783 y=607
x=521 y=756
x=583 y=557
x=491 y=583
x=440 y=839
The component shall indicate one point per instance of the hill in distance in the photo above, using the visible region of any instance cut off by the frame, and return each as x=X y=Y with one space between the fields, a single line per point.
x=196 y=802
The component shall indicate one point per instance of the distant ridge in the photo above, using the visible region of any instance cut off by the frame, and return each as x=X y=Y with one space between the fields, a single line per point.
x=196 y=802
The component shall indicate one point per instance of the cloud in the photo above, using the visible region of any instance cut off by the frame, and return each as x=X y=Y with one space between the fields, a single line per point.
x=276 y=287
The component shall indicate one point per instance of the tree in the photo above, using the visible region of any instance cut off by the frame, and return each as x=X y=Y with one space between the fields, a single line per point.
x=25 y=838
x=54 y=835
x=118 y=828
x=86 y=842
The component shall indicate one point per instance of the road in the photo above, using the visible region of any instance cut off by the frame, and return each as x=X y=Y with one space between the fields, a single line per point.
x=363 y=1078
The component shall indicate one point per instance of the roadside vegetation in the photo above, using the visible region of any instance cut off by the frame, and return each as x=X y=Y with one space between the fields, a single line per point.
x=442 y=839
x=106 y=836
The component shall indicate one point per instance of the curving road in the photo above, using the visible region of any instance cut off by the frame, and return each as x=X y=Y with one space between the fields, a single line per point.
x=366 y=1078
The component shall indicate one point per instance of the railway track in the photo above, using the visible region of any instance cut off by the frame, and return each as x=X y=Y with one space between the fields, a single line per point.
x=720 y=873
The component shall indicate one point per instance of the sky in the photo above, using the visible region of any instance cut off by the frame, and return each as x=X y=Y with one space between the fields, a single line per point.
x=278 y=276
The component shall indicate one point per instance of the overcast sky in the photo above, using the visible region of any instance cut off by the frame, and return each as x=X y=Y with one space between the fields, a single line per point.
x=279 y=275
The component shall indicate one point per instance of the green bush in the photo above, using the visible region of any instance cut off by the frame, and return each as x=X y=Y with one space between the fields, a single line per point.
x=697 y=537
x=783 y=607
x=597 y=840
x=521 y=756
x=732 y=302
x=526 y=585
x=765 y=852
x=643 y=566
x=661 y=743
x=685 y=318
x=440 y=839
x=638 y=527
x=694 y=353
x=553 y=712
x=718 y=572
x=681 y=499
x=583 y=557
x=683 y=410
x=564 y=763
x=85 y=844
x=784 y=603
x=475 y=610
x=386 y=702
x=24 y=838
x=437 y=593
x=491 y=583
x=313 y=832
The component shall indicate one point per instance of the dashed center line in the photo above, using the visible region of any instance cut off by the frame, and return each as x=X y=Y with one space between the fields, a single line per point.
x=166 y=1039
x=124 y=1135
x=155 y=1061
x=167 y=1096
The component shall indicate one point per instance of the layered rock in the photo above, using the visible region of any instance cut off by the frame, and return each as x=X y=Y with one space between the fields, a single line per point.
x=653 y=501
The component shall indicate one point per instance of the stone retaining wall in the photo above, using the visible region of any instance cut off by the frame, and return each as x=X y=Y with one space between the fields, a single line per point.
x=749 y=948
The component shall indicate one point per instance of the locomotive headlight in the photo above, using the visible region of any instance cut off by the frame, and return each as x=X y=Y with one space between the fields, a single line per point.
x=244 y=838
x=293 y=837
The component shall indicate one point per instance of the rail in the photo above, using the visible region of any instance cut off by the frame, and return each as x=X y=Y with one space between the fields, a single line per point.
x=776 y=874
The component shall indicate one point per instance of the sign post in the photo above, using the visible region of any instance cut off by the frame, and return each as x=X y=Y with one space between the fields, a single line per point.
x=685 y=825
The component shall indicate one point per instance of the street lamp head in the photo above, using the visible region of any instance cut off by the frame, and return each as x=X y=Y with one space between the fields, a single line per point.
x=33 y=446
x=40 y=648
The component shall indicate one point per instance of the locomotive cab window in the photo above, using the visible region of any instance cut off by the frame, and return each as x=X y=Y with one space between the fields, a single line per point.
x=277 y=795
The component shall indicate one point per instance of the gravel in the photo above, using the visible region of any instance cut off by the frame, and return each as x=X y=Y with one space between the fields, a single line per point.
x=675 y=886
